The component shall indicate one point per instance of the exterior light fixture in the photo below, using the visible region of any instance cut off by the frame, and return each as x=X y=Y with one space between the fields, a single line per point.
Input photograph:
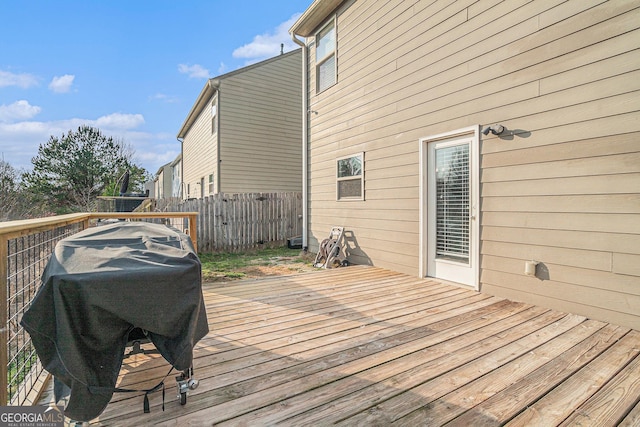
x=494 y=129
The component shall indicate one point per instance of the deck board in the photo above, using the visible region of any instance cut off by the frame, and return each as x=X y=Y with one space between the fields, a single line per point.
x=557 y=405
x=367 y=346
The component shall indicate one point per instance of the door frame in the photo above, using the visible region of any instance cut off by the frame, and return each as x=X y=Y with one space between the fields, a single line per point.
x=472 y=132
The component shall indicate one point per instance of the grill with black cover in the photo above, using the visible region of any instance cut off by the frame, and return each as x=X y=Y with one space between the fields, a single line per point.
x=98 y=286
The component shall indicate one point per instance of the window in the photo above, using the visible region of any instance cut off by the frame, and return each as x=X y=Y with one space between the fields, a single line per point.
x=350 y=182
x=211 y=189
x=452 y=203
x=326 y=57
x=214 y=115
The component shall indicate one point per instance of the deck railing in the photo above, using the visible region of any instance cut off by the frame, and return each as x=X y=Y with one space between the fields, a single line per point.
x=25 y=248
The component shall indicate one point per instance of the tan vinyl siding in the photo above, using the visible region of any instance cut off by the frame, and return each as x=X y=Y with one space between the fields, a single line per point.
x=561 y=187
x=257 y=146
x=260 y=128
x=200 y=156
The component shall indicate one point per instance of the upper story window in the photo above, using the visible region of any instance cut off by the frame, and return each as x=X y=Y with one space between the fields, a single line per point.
x=350 y=178
x=211 y=188
x=326 y=74
x=214 y=115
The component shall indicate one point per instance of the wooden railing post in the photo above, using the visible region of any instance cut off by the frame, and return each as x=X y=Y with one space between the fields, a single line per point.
x=4 y=332
x=193 y=233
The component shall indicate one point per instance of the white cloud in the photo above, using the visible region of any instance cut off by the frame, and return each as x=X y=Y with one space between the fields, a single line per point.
x=222 y=68
x=158 y=156
x=151 y=150
x=19 y=141
x=164 y=98
x=61 y=84
x=21 y=80
x=118 y=121
x=267 y=45
x=194 y=71
x=19 y=110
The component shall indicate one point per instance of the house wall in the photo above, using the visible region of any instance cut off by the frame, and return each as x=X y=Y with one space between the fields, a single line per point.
x=158 y=189
x=176 y=179
x=260 y=127
x=199 y=154
x=162 y=185
x=167 y=180
x=561 y=187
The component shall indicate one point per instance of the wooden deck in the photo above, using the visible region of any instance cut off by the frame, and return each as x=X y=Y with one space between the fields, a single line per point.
x=366 y=346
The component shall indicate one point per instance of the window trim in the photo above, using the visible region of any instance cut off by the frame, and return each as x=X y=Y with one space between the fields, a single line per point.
x=349 y=178
x=334 y=53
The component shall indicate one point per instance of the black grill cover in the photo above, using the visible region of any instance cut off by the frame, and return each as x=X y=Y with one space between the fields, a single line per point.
x=101 y=283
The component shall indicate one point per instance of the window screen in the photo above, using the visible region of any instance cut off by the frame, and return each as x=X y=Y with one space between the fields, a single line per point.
x=326 y=57
x=327 y=73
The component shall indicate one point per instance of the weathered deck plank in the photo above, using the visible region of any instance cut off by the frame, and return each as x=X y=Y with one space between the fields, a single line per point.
x=366 y=346
x=409 y=402
x=506 y=404
x=353 y=376
x=557 y=405
x=572 y=331
x=612 y=402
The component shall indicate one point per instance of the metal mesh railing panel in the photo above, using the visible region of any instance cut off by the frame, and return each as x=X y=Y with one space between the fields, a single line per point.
x=27 y=257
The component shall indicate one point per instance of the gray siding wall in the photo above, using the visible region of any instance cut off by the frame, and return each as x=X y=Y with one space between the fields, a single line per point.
x=561 y=188
x=261 y=127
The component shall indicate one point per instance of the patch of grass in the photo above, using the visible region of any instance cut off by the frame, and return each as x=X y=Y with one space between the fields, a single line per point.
x=220 y=266
x=19 y=369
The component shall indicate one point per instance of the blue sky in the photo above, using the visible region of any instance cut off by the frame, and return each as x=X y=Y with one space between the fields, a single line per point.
x=132 y=68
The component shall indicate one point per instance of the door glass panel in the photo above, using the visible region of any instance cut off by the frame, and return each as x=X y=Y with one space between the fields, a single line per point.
x=452 y=203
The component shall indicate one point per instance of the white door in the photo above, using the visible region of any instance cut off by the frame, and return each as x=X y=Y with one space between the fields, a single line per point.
x=451 y=212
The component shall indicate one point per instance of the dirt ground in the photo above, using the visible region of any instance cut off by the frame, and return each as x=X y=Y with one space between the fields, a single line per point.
x=274 y=266
x=278 y=266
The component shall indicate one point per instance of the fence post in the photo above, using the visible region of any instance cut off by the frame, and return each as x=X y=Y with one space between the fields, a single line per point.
x=208 y=222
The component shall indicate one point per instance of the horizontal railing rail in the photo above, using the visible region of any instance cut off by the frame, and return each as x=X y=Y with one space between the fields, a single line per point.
x=25 y=248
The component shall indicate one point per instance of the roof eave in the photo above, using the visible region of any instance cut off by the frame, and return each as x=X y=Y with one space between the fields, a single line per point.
x=207 y=92
x=315 y=15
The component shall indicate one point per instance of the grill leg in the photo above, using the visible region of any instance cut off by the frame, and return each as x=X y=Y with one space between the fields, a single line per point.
x=186 y=382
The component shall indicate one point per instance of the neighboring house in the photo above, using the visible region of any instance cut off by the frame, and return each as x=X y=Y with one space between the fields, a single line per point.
x=403 y=151
x=162 y=184
x=243 y=133
x=176 y=177
x=149 y=189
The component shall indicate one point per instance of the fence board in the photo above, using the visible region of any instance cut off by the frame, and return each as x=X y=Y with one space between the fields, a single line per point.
x=241 y=222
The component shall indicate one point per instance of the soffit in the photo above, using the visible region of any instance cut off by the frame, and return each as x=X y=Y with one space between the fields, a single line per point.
x=314 y=16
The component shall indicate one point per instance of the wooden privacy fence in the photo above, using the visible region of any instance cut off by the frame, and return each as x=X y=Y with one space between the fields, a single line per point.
x=243 y=221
